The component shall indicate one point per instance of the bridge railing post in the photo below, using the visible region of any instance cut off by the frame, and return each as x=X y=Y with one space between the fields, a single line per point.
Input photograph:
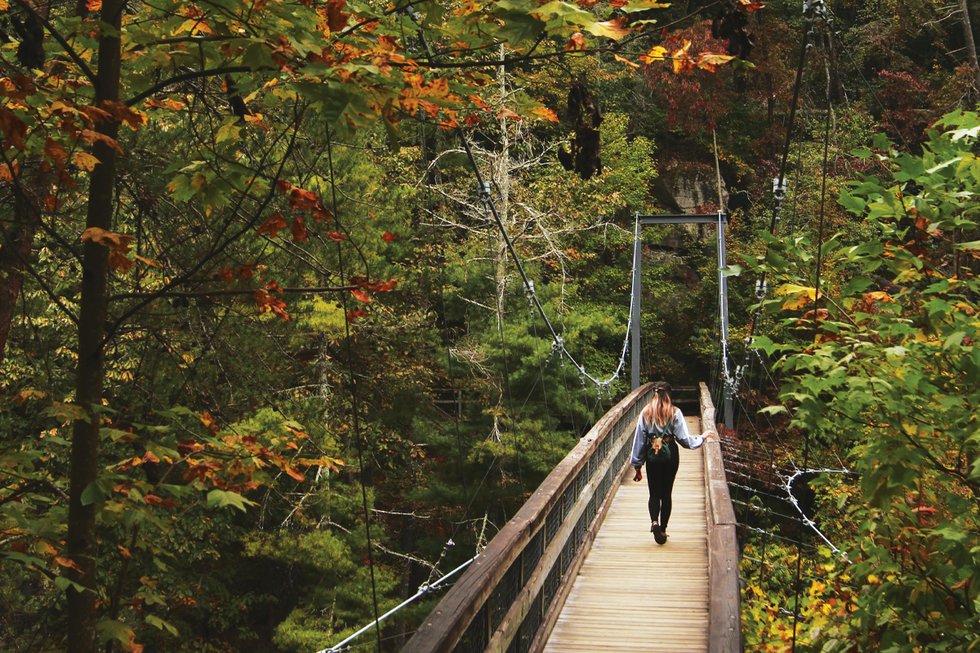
x=724 y=617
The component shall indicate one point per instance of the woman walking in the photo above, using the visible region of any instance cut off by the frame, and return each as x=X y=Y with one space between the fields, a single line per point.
x=659 y=429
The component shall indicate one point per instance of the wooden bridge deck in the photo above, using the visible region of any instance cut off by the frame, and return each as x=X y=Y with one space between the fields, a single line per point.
x=633 y=595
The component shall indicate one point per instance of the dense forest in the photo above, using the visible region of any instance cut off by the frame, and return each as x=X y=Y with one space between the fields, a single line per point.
x=267 y=363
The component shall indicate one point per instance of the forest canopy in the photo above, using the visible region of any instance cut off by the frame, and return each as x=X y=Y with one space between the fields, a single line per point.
x=268 y=362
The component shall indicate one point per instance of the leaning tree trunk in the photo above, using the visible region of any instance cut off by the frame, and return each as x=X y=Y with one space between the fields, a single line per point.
x=90 y=375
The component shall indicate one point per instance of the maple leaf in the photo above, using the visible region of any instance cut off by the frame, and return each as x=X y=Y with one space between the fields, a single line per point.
x=89 y=136
x=711 y=60
x=356 y=314
x=544 y=113
x=9 y=171
x=749 y=5
x=13 y=128
x=656 y=53
x=66 y=563
x=361 y=296
x=298 y=230
x=273 y=225
x=85 y=161
x=336 y=18
x=93 y=5
x=614 y=29
x=682 y=61
x=336 y=236
x=56 y=152
x=293 y=473
x=388 y=237
x=576 y=42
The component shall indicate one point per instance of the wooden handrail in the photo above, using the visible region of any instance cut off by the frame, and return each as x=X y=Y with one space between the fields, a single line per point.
x=509 y=591
x=724 y=626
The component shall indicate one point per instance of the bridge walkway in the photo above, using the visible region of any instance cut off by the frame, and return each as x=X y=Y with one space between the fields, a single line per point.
x=632 y=595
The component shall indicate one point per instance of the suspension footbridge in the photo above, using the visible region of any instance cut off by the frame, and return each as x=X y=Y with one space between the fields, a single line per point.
x=577 y=570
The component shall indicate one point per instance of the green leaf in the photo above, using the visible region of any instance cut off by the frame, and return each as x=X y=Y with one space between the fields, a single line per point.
x=63 y=584
x=222 y=498
x=96 y=492
x=110 y=629
x=774 y=410
x=159 y=623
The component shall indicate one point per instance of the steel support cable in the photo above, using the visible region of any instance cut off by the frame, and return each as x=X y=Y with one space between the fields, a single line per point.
x=816 y=334
x=558 y=342
x=424 y=589
x=355 y=403
x=812 y=10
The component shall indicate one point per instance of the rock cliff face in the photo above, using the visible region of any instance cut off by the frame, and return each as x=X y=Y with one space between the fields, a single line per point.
x=690 y=190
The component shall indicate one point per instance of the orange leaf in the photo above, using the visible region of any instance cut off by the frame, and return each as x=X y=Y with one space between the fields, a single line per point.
x=576 y=42
x=293 y=473
x=84 y=160
x=8 y=174
x=388 y=237
x=336 y=236
x=124 y=552
x=93 y=5
x=361 y=296
x=749 y=5
x=544 y=113
x=624 y=60
x=68 y=564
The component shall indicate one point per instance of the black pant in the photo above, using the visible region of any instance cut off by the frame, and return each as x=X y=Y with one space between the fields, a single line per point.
x=660 y=480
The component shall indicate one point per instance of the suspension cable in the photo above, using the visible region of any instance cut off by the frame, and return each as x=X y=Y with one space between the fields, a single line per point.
x=355 y=403
x=558 y=343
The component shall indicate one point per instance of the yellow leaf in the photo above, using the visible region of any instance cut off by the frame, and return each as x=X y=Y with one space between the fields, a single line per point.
x=682 y=60
x=85 y=161
x=656 y=53
x=798 y=296
x=614 y=29
x=711 y=60
x=4 y=5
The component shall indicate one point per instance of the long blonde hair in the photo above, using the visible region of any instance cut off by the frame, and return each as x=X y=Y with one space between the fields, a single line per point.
x=660 y=410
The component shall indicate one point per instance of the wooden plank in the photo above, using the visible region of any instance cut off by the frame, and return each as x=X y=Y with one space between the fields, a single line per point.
x=633 y=595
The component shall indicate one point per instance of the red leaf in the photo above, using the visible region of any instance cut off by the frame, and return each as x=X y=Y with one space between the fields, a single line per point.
x=336 y=236
x=336 y=18
x=273 y=225
x=283 y=186
x=355 y=314
x=388 y=237
x=299 y=230
x=13 y=128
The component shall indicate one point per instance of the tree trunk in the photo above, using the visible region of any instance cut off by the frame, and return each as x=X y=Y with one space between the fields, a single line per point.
x=971 y=45
x=89 y=377
x=15 y=253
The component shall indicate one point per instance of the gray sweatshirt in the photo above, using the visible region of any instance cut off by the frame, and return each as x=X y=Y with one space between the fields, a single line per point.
x=679 y=432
